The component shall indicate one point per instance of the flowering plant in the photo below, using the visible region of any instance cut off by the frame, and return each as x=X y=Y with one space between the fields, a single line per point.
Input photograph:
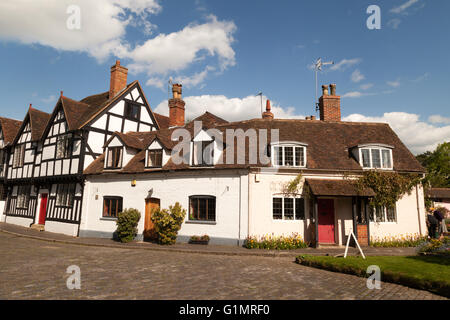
x=272 y=242
x=407 y=240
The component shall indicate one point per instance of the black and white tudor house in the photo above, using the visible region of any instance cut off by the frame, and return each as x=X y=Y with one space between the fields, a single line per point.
x=44 y=163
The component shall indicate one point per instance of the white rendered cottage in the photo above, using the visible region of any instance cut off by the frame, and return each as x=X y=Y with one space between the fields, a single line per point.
x=119 y=154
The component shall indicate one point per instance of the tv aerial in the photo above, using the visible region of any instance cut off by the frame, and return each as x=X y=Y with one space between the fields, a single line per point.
x=318 y=67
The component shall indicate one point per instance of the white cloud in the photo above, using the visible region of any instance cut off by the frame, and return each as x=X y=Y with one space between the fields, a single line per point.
x=404 y=6
x=104 y=29
x=366 y=86
x=353 y=94
x=176 y=51
x=345 y=63
x=439 y=119
x=231 y=109
x=394 y=23
x=423 y=77
x=357 y=76
x=49 y=99
x=394 y=84
x=417 y=135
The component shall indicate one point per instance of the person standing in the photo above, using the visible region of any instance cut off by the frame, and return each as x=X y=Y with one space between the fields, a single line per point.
x=440 y=218
x=432 y=224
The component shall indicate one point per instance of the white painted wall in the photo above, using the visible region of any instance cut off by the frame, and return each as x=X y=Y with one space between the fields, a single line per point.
x=228 y=187
x=24 y=222
x=69 y=229
x=409 y=220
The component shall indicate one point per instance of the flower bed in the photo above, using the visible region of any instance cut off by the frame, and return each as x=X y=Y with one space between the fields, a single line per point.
x=272 y=242
x=435 y=247
x=199 y=239
x=402 y=241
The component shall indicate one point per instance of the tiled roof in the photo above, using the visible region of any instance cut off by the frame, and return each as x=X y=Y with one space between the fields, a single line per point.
x=343 y=188
x=328 y=143
x=10 y=127
x=163 y=121
x=439 y=193
x=38 y=122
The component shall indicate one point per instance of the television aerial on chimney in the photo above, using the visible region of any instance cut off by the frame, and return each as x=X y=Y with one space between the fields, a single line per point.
x=169 y=86
x=318 y=67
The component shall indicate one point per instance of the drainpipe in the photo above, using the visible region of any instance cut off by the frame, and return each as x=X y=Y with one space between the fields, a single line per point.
x=240 y=201
x=249 y=205
x=418 y=209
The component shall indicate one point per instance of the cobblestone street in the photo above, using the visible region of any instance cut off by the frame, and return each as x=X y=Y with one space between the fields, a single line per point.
x=33 y=269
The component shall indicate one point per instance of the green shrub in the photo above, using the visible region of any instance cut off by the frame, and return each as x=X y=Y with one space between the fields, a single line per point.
x=168 y=222
x=127 y=222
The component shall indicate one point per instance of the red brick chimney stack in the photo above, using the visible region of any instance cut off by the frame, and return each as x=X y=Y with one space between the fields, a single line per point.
x=118 y=79
x=176 y=107
x=330 y=105
x=267 y=115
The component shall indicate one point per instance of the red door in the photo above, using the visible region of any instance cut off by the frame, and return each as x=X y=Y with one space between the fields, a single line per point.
x=326 y=220
x=43 y=208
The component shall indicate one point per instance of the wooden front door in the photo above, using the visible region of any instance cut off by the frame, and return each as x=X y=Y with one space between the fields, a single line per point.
x=43 y=208
x=326 y=220
x=151 y=205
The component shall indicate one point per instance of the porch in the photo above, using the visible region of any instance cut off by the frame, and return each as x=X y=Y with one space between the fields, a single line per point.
x=338 y=208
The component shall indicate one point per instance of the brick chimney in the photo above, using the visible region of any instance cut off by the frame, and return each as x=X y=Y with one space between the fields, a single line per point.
x=176 y=107
x=267 y=115
x=330 y=104
x=118 y=79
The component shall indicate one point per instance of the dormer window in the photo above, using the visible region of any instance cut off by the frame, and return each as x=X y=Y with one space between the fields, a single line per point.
x=375 y=157
x=132 y=110
x=154 y=158
x=114 y=158
x=203 y=153
x=289 y=155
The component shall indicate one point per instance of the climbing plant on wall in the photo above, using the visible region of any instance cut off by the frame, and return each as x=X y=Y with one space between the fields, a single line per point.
x=389 y=187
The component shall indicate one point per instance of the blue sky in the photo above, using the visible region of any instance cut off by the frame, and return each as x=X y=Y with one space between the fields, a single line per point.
x=225 y=52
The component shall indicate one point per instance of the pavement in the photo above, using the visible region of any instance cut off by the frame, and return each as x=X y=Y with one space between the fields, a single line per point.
x=195 y=248
x=35 y=269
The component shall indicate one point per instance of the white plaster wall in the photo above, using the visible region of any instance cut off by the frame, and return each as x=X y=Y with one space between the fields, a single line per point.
x=2 y=209
x=171 y=188
x=60 y=227
x=409 y=220
x=24 y=222
x=262 y=188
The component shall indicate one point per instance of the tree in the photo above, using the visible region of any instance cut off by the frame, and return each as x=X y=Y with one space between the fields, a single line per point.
x=437 y=164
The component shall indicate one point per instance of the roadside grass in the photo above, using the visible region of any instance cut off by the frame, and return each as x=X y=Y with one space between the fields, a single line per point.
x=430 y=273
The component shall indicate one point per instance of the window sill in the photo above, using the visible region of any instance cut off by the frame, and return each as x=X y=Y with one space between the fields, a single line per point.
x=108 y=219
x=201 y=222
x=287 y=220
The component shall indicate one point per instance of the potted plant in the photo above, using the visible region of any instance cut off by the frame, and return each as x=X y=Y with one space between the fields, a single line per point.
x=199 y=239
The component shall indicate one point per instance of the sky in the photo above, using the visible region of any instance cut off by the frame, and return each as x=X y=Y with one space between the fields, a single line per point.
x=226 y=52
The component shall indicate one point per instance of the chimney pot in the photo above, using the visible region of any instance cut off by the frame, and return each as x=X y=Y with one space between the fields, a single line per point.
x=324 y=90
x=333 y=89
x=118 y=79
x=267 y=114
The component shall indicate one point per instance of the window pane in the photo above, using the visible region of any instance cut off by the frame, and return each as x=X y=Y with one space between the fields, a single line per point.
x=288 y=209
x=386 y=159
x=288 y=156
x=391 y=216
x=376 y=159
x=380 y=214
x=299 y=157
x=300 y=208
x=155 y=158
x=277 y=208
x=211 y=209
x=106 y=205
x=365 y=158
x=278 y=156
x=371 y=213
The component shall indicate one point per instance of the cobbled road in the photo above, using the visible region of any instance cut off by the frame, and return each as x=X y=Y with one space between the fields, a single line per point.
x=33 y=269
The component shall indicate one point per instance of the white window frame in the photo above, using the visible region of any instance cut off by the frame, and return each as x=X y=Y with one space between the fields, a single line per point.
x=380 y=149
x=384 y=215
x=147 y=165
x=294 y=207
x=294 y=145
